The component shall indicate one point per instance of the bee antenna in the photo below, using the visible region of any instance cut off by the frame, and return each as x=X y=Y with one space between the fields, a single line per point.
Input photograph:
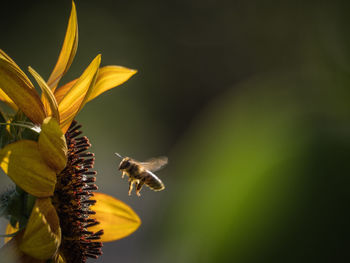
x=117 y=154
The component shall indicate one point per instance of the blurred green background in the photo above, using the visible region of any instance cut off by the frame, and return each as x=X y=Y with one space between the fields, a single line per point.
x=248 y=99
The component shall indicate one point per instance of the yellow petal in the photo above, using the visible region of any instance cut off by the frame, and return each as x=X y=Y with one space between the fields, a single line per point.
x=20 y=90
x=68 y=50
x=72 y=102
x=62 y=91
x=3 y=55
x=109 y=77
x=23 y=163
x=51 y=107
x=10 y=230
x=52 y=145
x=3 y=95
x=6 y=57
x=10 y=252
x=116 y=218
x=59 y=259
x=42 y=235
x=7 y=100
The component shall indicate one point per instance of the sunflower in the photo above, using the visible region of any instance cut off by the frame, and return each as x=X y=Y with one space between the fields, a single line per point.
x=55 y=214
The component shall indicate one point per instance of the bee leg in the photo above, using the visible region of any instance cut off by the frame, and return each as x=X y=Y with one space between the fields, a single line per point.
x=131 y=184
x=139 y=186
x=123 y=174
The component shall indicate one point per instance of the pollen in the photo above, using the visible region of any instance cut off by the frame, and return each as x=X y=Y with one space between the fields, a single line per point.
x=74 y=188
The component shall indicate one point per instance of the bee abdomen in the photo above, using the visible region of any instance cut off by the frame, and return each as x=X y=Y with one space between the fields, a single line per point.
x=153 y=182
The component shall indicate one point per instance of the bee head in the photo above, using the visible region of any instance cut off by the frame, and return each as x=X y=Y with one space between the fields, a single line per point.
x=124 y=164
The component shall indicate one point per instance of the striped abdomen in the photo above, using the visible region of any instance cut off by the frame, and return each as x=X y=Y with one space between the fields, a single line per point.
x=152 y=181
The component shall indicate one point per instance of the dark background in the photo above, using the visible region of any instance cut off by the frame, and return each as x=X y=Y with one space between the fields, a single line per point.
x=249 y=99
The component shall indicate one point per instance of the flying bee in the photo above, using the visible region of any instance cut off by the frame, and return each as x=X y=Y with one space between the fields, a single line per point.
x=141 y=173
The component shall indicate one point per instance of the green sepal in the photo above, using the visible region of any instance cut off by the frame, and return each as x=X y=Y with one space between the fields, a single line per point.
x=29 y=205
x=5 y=199
x=16 y=205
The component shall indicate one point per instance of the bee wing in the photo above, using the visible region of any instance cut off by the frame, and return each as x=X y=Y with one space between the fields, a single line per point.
x=155 y=164
x=153 y=182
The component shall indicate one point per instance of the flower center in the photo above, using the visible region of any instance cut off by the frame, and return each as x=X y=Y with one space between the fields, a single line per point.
x=75 y=186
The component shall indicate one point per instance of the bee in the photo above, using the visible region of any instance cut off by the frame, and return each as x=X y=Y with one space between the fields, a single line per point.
x=141 y=173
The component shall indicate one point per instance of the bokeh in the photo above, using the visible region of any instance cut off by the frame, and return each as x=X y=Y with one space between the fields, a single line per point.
x=248 y=99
